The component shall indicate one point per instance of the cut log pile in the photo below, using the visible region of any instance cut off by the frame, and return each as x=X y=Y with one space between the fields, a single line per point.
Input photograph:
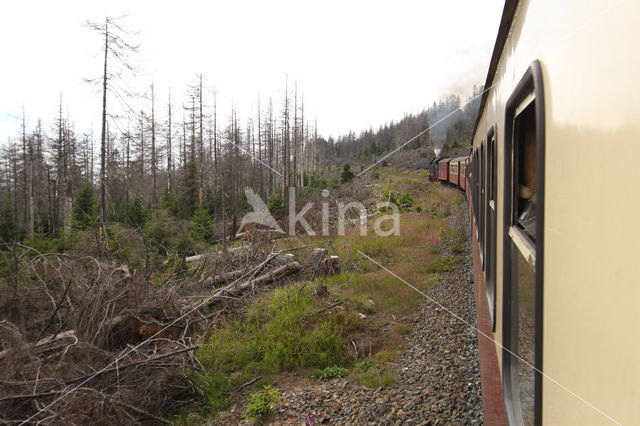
x=83 y=339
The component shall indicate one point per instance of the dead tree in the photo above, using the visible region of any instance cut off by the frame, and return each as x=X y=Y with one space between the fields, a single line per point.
x=154 y=159
x=169 y=148
x=118 y=49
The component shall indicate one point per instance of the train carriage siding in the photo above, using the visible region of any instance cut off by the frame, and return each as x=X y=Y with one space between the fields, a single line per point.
x=544 y=218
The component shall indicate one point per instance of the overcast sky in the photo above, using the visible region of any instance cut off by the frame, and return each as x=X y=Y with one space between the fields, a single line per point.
x=359 y=64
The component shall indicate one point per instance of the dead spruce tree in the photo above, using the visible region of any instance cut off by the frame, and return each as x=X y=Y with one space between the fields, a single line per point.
x=116 y=65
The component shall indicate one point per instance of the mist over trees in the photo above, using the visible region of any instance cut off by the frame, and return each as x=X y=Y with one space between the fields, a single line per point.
x=449 y=122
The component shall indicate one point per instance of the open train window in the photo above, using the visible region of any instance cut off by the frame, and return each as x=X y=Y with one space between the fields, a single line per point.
x=524 y=249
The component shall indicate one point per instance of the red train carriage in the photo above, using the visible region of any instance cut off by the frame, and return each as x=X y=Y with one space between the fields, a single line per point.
x=456 y=171
x=443 y=170
x=454 y=166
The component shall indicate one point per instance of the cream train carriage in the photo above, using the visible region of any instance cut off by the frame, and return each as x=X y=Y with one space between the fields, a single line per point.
x=554 y=175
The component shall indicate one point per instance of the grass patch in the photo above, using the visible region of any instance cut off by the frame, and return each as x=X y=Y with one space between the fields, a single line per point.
x=273 y=337
x=388 y=294
x=443 y=264
x=388 y=355
x=369 y=373
x=332 y=372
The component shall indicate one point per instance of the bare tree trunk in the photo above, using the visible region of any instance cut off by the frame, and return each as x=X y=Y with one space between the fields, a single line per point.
x=303 y=168
x=294 y=172
x=127 y=183
x=184 y=144
x=142 y=163
x=260 y=167
x=169 y=152
x=270 y=147
x=154 y=197
x=200 y=142
x=215 y=138
x=285 y=139
x=103 y=138
x=27 y=155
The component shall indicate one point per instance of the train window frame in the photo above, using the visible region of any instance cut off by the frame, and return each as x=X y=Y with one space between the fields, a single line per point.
x=530 y=90
x=491 y=276
x=481 y=201
x=474 y=188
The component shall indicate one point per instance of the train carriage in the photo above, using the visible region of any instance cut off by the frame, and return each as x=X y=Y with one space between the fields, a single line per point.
x=443 y=170
x=453 y=172
x=559 y=276
x=456 y=172
x=553 y=214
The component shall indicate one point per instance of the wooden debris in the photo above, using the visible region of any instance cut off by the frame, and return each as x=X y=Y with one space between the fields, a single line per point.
x=47 y=345
x=224 y=278
x=332 y=265
x=333 y=305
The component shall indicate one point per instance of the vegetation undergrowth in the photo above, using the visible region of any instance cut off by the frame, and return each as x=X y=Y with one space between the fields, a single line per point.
x=262 y=403
x=277 y=334
x=369 y=373
x=365 y=336
x=331 y=372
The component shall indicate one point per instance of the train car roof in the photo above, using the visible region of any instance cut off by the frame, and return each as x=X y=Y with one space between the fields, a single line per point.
x=508 y=14
x=458 y=159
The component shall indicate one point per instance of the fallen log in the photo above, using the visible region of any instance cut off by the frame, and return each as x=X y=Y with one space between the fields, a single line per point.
x=235 y=289
x=233 y=251
x=261 y=235
x=277 y=273
x=48 y=344
x=224 y=278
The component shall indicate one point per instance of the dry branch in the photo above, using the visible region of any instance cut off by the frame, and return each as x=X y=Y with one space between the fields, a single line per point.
x=224 y=278
x=87 y=377
x=48 y=344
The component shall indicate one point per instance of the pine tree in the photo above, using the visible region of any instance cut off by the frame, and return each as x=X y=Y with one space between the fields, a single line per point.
x=202 y=228
x=347 y=174
x=84 y=211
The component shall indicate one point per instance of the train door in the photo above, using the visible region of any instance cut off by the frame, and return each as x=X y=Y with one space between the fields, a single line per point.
x=524 y=250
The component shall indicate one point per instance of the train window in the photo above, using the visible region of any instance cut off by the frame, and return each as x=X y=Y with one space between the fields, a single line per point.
x=482 y=201
x=476 y=198
x=491 y=225
x=523 y=249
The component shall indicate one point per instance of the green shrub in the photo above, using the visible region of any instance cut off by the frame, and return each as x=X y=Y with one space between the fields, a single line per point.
x=42 y=243
x=330 y=373
x=276 y=202
x=370 y=374
x=403 y=201
x=262 y=403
